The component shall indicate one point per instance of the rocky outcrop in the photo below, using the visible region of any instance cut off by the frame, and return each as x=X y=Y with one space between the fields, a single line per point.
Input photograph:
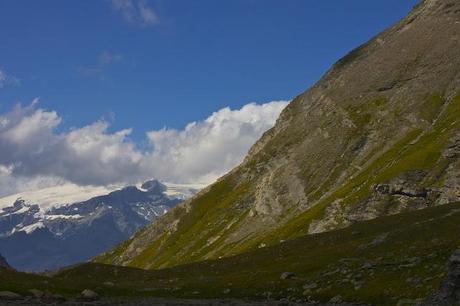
x=449 y=292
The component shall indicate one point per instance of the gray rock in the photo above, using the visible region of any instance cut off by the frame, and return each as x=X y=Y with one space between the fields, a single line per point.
x=379 y=239
x=36 y=293
x=8 y=295
x=406 y=302
x=336 y=299
x=59 y=298
x=310 y=286
x=89 y=294
x=455 y=258
x=287 y=275
x=367 y=265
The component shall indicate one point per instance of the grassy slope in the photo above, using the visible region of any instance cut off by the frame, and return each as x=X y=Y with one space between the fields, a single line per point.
x=417 y=150
x=211 y=213
x=405 y=255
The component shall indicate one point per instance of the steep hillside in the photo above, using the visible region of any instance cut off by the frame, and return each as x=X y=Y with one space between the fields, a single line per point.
x=379 y=134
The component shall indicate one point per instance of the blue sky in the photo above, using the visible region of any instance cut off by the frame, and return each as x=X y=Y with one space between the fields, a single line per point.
x=195 y=58
x=112 y=74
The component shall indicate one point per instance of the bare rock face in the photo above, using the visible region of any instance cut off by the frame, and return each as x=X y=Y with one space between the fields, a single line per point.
x=449 y=292
x=377 y=135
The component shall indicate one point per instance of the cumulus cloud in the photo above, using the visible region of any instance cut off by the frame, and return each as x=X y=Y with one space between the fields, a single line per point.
x=31 y=147
x=8 y=80
x=205 y=150
x=136 y=11
x=34 y=154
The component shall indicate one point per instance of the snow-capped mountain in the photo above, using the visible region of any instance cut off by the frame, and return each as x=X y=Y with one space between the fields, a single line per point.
x=36 y=235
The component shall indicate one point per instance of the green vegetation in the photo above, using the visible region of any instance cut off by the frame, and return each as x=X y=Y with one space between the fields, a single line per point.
x=417 y=150
x=379 y=262
x=432 y=107
x=205 y=225
x=362 y=114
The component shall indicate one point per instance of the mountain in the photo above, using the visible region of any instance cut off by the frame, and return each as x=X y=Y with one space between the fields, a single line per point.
x=378 y=135
x=36 y=237
x=3 y=262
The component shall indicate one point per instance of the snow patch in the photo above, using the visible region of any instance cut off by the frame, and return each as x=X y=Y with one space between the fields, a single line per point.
x=54 y=217
x=57 y=196
x=182 y=191
x=29 y=228
x=24 y=209
x=65 y=194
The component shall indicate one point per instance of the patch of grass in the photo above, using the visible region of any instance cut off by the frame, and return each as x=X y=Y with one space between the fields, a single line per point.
x=432 y=107
x=205 y=222
x=363 y=113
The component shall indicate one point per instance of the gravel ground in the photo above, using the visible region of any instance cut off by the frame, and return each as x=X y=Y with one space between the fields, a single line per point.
x=160 y=302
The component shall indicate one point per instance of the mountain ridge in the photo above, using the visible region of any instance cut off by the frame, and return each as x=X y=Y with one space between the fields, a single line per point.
x=36 y=238
x=378 y=134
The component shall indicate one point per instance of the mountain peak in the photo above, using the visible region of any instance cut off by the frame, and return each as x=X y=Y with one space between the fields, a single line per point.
x=154 y=186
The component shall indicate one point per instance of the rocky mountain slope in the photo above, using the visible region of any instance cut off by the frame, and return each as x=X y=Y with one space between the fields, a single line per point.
x=379 y=134
x=35 y=239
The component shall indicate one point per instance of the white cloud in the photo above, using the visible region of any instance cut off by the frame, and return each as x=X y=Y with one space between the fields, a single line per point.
x=35 y=155
x=205 y=150
x=8 y=80
x=6 y=170
x=136 y=11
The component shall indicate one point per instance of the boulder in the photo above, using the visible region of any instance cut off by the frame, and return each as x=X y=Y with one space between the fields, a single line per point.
x=88 y=294
x=36 y=293
x=8 y=295
x=287 y=275
x=310 y=286
x=336 y=299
